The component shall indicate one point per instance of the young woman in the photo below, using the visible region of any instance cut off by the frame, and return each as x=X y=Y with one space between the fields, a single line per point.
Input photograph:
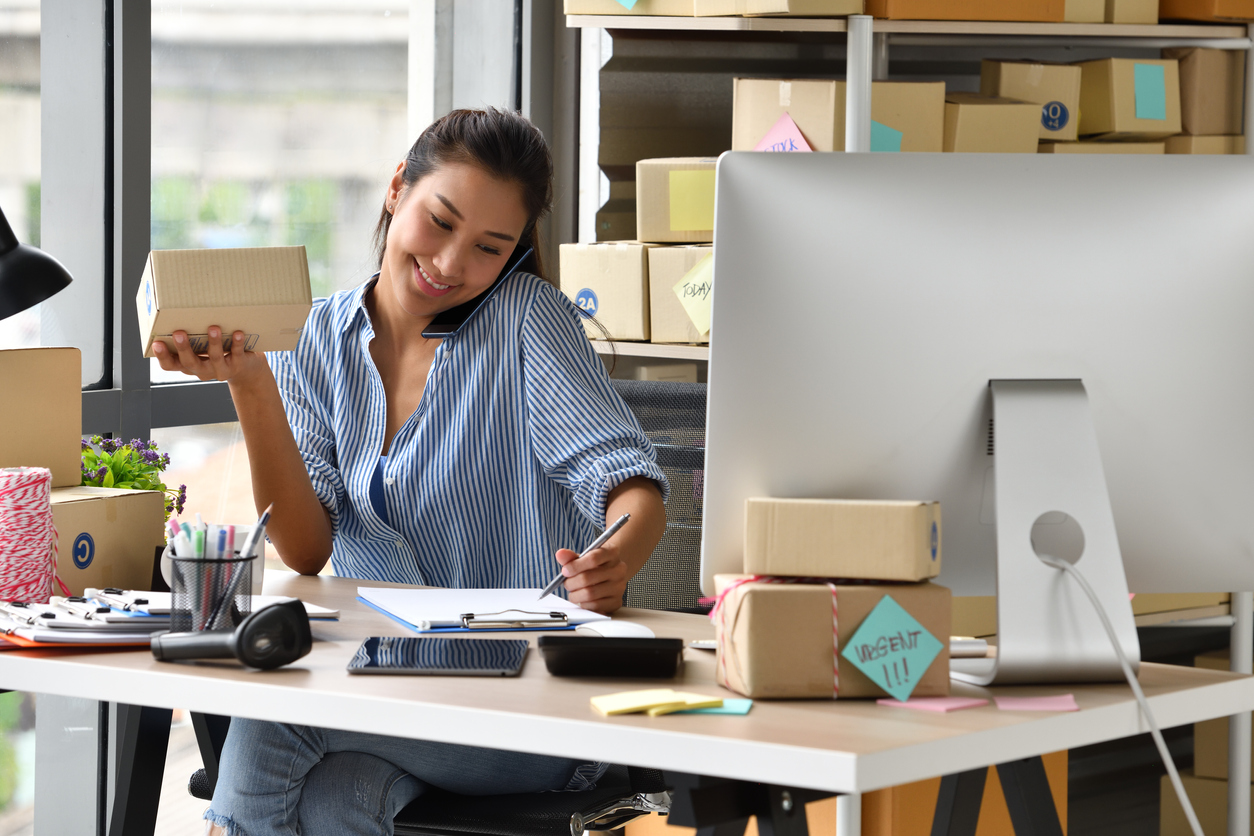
x=479 y=460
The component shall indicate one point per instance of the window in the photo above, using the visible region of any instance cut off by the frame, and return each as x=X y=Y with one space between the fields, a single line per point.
x=19 y=144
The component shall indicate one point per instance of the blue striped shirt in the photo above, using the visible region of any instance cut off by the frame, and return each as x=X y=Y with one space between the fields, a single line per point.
x=512 y=451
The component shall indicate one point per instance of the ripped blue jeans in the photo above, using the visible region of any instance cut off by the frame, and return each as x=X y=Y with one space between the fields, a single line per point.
x=276 y=778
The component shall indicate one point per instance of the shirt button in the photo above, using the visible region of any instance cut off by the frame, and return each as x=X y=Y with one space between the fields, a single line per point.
x=389 y=481
x=399 y=543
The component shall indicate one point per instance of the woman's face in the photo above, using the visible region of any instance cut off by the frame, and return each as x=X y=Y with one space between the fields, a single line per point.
x=450 y=237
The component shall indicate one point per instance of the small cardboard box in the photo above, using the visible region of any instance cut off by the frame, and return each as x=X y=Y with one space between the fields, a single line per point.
x=1095 y=147
x=107 y=536
x=1212 y=90
x=661 y=8
x=986 y=124
x=1055 y=87
x=1209 y=798
x=262 y=291
x=1218 y=10
x=783 y=8
x=775 y=640
x=836 y=538
x=611 y=282
x=668 y=321
x=1185 y=144
x=41 y=413
x=1085 y=11
x=1127 y=98
x=1041 y=11
x=915 y=110
x=1131 y=11
x=675 y=200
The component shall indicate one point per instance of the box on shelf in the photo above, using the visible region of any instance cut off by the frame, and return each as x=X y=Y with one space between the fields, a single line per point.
x=1085 y=11
x=1209 y=798
x=107 y=537
x=785 y=8
x=262 y=291
x=1212 y=90
x=675 y=200
x=913 y=111
x=1055 y=87
x=1208 y=10
x=664 y=8
x=1042 y=11
x=1129 y=98
x=41 y=413
x=1146 y=603
x=775 y=640
x=670 y=372
x=1132 y=11
x=975 y=123
x=616 y=219
x=835 y=538
x=611 y=282
x=1185 y=144
x=668 y=321
x=1096 y=147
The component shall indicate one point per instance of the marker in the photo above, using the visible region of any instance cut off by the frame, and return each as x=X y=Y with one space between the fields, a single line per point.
x=596 y=544
x=174 y=528
x=198 y=543
x=187 y=530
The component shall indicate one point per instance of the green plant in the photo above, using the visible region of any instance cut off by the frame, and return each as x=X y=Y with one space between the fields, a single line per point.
x=135 y=465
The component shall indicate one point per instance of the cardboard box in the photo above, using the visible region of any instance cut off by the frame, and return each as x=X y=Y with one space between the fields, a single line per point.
x=675 y=200
x=41 y=413
x=1185 y=144
x=1146 y=603
x=107 y=536
x=668 y=321
x=915 y=110
x=1131 y=11
x=1055 y=87
x=837 y=538
x=775 y=639
x=1084 y=11
x=663 y=8
x=616 y=219
x=784 y=8
x=1212 y=90
x=1208 y=797
x=1218 y=10
x=670 y=372
x=262 y=291
x=1095 y=147
x=984 y=124
x=610 y=282
x=1043 y=11
x=1126 y=98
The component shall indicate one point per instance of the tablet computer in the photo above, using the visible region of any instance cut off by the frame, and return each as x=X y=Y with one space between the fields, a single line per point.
x=439 y=656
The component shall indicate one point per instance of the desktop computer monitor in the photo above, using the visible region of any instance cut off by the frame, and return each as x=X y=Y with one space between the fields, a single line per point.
x=865 y=304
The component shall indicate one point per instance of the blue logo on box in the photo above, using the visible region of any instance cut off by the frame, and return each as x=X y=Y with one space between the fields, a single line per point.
x=935 y=540
x=148 y=295
x=587 y=302
x=84 y=550
x=1055 y=116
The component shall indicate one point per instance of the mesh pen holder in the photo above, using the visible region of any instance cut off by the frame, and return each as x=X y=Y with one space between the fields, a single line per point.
x=210 y=593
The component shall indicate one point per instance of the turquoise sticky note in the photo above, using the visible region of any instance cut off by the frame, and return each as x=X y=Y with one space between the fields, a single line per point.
x=627 y=4
x=892 y=648
x=1150 y=84
x=730 y=706
x=884 y=138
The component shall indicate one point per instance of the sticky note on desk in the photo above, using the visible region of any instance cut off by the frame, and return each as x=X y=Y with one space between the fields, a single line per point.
x=730 y=706
x=941 y=705
x=892 y=648
x=1150 y=85
x=653 y=701
x=692 y=200
x=784 y=135
x=696 y=293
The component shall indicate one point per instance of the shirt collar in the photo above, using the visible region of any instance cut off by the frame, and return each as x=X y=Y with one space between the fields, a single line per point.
x=358 y=308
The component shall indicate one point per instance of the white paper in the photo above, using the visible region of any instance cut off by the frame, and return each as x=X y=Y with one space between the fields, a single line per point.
x=432 y=608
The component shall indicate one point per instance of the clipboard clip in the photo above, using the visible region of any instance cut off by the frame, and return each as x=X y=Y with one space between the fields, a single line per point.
x=514 y=619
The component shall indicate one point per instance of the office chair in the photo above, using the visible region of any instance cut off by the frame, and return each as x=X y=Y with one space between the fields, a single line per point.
x=673 y=417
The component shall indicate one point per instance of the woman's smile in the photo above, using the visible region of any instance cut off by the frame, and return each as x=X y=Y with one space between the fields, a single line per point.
x=427 y=284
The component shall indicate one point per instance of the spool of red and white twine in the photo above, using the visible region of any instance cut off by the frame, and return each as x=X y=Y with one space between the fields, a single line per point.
x=28 y=539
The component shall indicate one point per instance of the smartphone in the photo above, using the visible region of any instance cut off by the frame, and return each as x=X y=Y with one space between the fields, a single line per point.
x=439 y=656
x=447 y=323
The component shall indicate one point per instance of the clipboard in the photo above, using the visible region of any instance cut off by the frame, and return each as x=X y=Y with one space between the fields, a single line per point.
x=484 y=622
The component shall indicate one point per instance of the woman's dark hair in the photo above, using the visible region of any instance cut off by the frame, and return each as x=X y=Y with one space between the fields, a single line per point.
x=503 y=144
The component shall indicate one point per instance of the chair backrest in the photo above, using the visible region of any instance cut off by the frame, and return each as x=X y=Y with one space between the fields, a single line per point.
x=673 y=417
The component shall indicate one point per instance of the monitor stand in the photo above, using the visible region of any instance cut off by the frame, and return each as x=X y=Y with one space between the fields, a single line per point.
x=1052 y=499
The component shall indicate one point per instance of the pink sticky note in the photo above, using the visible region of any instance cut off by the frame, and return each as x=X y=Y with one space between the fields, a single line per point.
x=1062 y=702
x=785 y=136
x=941 y=704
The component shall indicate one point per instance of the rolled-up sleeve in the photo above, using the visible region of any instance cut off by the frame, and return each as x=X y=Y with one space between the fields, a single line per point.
x=584 y=435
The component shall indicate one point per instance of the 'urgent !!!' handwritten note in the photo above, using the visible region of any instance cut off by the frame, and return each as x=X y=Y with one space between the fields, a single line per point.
x=892 y=648
x=696 y=293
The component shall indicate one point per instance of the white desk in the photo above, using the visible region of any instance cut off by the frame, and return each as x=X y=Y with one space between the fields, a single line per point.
x=845 y=747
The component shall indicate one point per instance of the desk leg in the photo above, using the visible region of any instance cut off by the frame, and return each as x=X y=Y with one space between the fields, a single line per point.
x=958 y=805
x=143 y=735
x=1031 y=804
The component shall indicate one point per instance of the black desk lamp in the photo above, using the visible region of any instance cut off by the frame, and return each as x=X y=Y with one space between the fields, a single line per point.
x=28 y=275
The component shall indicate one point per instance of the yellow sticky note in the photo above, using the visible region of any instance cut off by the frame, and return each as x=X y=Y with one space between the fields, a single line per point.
x=696 y=293
x=691 y=701
x=629 y=702
x=692 y=200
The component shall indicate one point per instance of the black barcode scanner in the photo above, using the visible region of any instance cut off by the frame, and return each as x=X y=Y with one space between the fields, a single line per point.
x=269 y=638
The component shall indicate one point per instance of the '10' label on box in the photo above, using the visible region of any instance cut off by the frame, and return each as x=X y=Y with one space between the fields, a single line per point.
x=892 y=648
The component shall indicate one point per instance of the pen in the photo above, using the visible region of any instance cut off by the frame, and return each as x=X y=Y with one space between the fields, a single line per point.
x=198 y=543
x=259 y=531
x=596 y=544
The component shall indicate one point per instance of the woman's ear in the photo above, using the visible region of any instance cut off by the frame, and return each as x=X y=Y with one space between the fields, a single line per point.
x=395 y=186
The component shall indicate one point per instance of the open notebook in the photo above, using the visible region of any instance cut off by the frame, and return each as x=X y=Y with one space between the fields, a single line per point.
x=427 y=610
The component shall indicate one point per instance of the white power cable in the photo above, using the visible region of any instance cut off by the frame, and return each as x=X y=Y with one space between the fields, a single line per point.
x=1136 y=688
